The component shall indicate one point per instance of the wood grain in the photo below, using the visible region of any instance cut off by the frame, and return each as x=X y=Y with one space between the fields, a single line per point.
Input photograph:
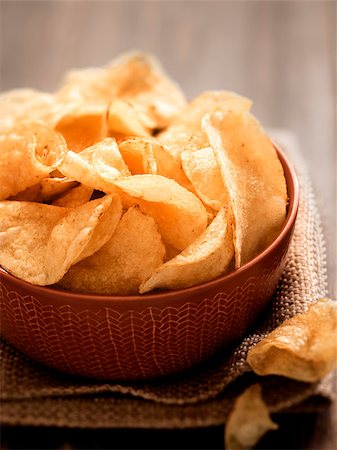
x=282 y=54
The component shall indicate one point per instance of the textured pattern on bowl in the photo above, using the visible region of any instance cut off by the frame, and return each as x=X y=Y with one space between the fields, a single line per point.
x=119 y=338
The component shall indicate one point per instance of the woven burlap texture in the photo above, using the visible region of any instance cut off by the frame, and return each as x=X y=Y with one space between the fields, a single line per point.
x=35 y=395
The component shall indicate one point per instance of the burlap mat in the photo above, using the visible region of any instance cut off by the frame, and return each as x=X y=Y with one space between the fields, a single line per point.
x=32 y=394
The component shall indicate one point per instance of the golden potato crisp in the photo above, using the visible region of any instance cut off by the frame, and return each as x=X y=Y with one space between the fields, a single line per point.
x=96 y=166
x=179 y=214
x=38 y=243
x=207 y=102
x=28 y=153
x=136 y=78
x=185 y=130
x=119 y=267
x=254 y=178
x=303 y=347
x=31 y=194
x=123 y=119
x=148 y=156
x=25 y=104
x=206 y=258
x=202 y=170
x=52 y=187
x=82 y=125
x=107 y=160
x=138 y=155
x=74 y=197
x=248 y=421
x=170 y=166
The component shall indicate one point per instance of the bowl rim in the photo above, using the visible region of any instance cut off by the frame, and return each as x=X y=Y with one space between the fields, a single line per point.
x=60 y=294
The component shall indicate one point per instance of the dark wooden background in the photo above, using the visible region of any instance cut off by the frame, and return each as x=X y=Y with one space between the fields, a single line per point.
x=281 y=54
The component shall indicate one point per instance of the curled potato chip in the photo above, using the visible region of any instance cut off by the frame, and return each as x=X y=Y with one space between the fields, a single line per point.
x=207 y=102
x=169 y=166
x=206 y=258
x=28 y=153
x=119 y=267
x=25 y=104
x=203 y=171
x=97 y=166
x=82 y=125
x=303 y=348
x=253 y=177
x=248 y=421
x=136 y=78
x=147 y=156
x=123 y=119
x=185 y=131
x=179 y=214
x=74 y=197
x=38 y=243
x=107 y=159
x=105 y=216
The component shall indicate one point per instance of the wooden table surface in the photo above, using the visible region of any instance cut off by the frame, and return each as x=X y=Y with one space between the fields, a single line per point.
x=281 y=54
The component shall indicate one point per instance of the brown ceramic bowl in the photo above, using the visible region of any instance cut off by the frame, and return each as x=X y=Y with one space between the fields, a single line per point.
x=141 y=336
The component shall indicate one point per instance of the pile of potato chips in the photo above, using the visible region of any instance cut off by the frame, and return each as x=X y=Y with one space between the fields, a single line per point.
x=116 y=184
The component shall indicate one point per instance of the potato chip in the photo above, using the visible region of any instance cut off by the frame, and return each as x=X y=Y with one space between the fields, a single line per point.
x=202 y=170
x=123 y=119
x=248 y=421
x=206 y=258
x=28 y=153
x=52 y=187
x=107 y=221
x=134 y=77
x=119 y=267
x=303 y=348
x=38 y=243
x=96 y=166
x=31 y=194
x=138 y=155
x=25 y=104
x=82 y=125
x=179 y=214
x=170 y=166
x=74 y=197
x=147 y=156
x=207 y=102
x=254 y=178
x=107 y=159
x=185 y=131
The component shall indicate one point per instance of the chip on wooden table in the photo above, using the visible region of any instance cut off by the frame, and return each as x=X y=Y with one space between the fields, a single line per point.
x=303 y=347
x=120 y=266
x=206 y=258
x=254 y=178
x=248 y=421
